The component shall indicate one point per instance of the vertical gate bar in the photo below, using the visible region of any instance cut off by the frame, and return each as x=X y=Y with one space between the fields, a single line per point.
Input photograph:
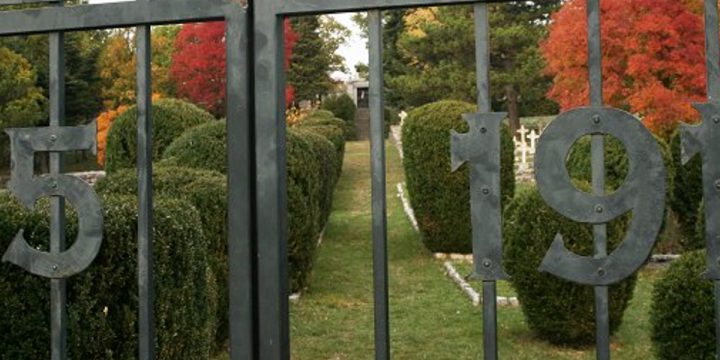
x=58 y=293
x=239 y=184
x=379 y=210
x=146 y=283
x=602 y=326
x=273 y=337
x=482 y=56
x=712 y=50
x=712 y=65
x=482 y=61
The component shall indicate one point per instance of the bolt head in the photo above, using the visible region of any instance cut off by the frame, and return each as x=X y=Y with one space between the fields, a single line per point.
x=486 y=191
x=601 y=271
x=54 y=267
x=487 y=263
x=599 y=209
x=717 y=184
x=53 y=137
x=483 y=129
x=716 y=119
x=596 y=119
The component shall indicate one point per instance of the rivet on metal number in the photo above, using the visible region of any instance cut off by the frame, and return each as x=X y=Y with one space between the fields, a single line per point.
x=28 y=188
x=480 y=148
x=643 y=193
x=716 y=119
x=596 y=119
x=717 y=184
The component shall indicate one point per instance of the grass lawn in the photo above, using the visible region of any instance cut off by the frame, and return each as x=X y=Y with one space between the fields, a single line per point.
x=430 y=317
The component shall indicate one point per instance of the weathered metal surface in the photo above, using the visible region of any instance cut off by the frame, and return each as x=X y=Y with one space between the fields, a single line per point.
x=480 y=147
x=112 y=15
x=379 y=207
x=305 y=7
x=58 y=287
x=270 y=183
x=28 y=189
x=704 y=139
x=240 y=188
x=643 y=192
x=146 y=282
x=23 y=2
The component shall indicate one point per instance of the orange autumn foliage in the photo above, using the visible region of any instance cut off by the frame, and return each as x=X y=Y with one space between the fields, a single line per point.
x=653 y=58
x=104 y=122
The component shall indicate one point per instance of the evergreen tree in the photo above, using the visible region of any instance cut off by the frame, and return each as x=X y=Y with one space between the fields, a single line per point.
x=438 y=50
x=22 y=103
x=310 y=65
x=82 y=83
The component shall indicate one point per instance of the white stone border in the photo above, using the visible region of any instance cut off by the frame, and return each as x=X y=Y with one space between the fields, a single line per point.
x=396 y=131
x=406 y=206
x=474 y=296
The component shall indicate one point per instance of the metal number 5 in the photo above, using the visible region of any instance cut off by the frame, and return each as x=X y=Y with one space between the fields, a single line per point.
x=28 y=189
x=643 y=192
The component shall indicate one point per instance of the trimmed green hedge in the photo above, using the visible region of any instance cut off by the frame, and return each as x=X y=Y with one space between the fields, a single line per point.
x=311 y=165
x=682 y=313
x=170 y=119
x=687 y=195
x=331 y=129
x=556 y=310
x=616 y=162
x=343 y=107
x=201 y=147
x=207 y=191
x=102 y=301
x=441 y=198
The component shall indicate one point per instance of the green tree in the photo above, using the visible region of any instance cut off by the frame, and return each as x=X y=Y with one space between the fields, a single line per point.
x=22 y=103
x=117 y=65
x=314 y=56
x=437 y=48
x=82 y=83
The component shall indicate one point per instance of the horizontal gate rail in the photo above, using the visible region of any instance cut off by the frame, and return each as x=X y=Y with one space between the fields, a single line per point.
x=104 y=16
x=306 y=7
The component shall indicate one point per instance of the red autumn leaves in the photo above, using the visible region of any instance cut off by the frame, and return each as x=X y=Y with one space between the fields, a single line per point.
x=653 y=58
x=198 y=65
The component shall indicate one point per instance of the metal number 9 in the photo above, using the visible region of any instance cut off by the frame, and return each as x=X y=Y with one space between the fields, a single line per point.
x=643 y=193
x=28 y=189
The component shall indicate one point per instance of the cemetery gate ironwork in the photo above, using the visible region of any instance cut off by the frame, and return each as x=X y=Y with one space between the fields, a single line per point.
x=257 y=219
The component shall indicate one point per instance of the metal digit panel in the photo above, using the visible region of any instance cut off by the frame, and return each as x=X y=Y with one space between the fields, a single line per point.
x=57 y=264
x=704 y=139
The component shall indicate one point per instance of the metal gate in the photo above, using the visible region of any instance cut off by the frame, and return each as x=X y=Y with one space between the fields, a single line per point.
x=257 y=214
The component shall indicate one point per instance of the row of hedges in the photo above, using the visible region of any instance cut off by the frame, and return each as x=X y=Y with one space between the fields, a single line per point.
x=314 y=153
x=102 y=301
x=687 y=195
x=207 y=192
x=441 y=198
x=170 y=118
x=343 y=107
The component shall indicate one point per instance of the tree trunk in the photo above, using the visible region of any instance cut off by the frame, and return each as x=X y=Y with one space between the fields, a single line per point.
x=513 y=109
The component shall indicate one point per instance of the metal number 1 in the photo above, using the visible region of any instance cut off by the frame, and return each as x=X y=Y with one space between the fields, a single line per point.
x=24 y=143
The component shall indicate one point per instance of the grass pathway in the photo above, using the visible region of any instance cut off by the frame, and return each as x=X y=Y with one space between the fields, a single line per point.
x=429 y=317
